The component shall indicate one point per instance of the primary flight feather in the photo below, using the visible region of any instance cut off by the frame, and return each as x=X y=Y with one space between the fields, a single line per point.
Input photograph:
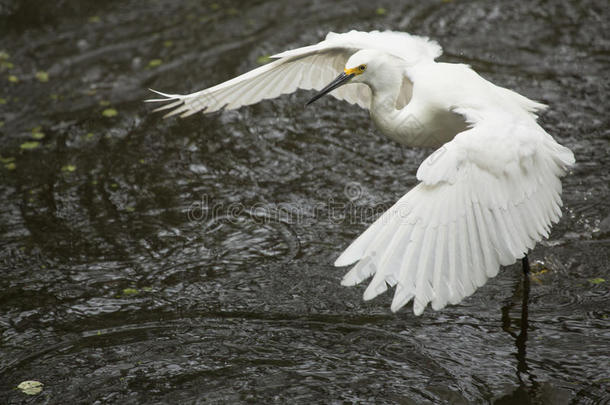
x=487 y=195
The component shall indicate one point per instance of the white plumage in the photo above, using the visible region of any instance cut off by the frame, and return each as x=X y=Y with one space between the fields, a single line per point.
x=307 y=68
x=488 y=193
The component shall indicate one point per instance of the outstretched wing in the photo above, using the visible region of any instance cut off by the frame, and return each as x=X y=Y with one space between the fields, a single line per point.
x=310 y=67
x=484 y=199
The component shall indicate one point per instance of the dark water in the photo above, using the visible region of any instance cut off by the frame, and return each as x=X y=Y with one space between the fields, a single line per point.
x=188 y=261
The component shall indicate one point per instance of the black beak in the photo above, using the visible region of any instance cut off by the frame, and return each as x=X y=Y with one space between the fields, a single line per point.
x=339 y=81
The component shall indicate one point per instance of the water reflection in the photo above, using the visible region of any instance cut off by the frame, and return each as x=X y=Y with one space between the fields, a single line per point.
x=526 y=390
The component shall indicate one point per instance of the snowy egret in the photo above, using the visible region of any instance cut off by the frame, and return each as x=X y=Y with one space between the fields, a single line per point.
x=486 y=196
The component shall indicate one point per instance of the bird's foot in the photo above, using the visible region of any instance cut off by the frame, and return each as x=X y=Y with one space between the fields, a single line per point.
x=537 y=271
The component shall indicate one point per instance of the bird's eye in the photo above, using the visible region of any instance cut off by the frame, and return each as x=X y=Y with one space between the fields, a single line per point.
x=362 y=68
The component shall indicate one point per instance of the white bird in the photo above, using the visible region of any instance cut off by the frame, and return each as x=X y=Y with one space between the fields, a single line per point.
x=486 y=196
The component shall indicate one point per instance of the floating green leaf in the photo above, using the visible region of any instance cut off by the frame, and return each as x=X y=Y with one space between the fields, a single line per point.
x=13 y=79
x=2 y=100
x=7 y=159
x=597 y=280
x=68 y=168
x=154 y=63
x=261 y=60
x=1 y=124
x=109 y=112
x=29 y=145
x=104 y=103
x=10 y=166
x=6 y=64
x=4 y=55
x=130 y=291
x=168 y=43
x=94 y=19
x=89 y=136
x=30 y=387
x=381 y=11
x=38 y=135
x=42 y=76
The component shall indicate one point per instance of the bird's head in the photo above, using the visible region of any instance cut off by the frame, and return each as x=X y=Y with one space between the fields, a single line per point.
x=357 y=69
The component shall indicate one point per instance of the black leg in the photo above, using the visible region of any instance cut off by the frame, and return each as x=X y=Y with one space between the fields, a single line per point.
x=524 y=392
x=521 y=340
x=525 y=263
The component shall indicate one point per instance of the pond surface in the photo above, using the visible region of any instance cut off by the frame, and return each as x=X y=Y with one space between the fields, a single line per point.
x=186 y=261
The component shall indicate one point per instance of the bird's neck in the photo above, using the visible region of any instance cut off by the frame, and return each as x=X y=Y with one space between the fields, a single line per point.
x=385 y=87
x=394 y=111
x=384 y=102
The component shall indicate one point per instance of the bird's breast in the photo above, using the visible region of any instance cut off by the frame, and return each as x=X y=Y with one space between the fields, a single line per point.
x=428 y=128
